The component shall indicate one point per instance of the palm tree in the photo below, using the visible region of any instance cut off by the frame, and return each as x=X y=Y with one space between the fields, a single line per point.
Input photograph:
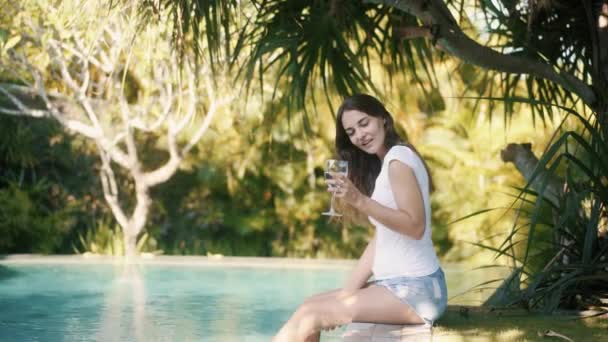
x=551 y=55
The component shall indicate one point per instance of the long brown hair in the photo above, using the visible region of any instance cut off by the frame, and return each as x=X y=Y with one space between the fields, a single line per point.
x=364 y=167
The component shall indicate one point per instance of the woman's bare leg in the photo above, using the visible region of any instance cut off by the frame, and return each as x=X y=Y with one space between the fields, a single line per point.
x=373 y=304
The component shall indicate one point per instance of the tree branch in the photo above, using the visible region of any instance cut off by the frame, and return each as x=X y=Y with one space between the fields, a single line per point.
x=79 y=53
x=451 y=39
x=114 y=152
x=412 y=32
x=191 y=105
x=215 y=105
x=110 y=189
x=163 y=173
x=128 y=135
x=25 y=110
x=166 y=99
x=79 y=91
x=22 y=109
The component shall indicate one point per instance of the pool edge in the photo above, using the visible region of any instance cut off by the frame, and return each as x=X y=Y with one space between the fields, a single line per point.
x=175 y=260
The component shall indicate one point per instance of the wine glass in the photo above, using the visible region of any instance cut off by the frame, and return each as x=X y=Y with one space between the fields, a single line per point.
x=334 y=167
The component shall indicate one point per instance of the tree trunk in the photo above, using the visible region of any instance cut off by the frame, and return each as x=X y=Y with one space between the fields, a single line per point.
x=525 y=161
x=130 y=241
x=139 y=217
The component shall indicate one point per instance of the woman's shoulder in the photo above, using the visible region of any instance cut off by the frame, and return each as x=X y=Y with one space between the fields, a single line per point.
x=400 y=150
x=403 y=153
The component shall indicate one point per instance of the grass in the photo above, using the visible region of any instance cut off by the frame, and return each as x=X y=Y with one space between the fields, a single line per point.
x=479 y=324
x=462 y=323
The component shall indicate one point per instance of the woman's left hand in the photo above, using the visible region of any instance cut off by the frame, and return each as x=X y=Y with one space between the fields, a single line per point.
x=346 y=190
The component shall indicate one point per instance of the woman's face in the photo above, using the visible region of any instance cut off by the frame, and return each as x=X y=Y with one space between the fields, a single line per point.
x=365 y=131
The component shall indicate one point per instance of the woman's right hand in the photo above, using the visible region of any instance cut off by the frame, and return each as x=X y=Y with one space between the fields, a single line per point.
x=331 y=181
x=348 y=192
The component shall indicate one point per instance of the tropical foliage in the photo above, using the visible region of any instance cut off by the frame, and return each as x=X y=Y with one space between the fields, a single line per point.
x=40 y=209
x=463 y=78
x=89 y=75
x=550 y=55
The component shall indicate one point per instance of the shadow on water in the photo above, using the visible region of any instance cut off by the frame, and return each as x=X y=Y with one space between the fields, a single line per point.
x=7 y=273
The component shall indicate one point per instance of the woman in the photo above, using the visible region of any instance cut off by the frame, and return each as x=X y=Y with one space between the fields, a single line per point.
x=388 y=182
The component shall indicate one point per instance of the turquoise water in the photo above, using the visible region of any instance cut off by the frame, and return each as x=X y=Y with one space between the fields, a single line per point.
x=105 y=302
x=151 y=303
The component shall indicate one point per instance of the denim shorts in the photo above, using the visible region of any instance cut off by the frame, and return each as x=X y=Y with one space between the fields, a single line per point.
x=427 y=295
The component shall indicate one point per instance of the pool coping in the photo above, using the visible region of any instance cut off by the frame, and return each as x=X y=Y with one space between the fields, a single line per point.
x=178 y=260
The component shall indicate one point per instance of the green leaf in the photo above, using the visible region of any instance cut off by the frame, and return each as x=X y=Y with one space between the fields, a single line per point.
x=3 y=35
x=508 y=292
x=11 y=43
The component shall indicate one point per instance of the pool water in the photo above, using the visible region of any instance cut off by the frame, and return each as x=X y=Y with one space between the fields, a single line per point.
x=151 y=302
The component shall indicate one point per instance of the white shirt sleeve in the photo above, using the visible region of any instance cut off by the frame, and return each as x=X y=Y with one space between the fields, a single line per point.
x=405 y=155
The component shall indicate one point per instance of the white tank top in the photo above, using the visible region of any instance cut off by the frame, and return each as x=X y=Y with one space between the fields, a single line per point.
x=397 y=254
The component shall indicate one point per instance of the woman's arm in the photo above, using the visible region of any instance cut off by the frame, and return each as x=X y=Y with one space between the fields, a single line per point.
x=363 y=270
x=408 y=218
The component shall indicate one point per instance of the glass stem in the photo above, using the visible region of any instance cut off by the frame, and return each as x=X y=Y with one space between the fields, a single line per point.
x=331 y=205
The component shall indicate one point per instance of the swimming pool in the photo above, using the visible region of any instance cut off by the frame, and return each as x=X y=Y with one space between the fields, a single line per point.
x=153 y=301
x=164 y=299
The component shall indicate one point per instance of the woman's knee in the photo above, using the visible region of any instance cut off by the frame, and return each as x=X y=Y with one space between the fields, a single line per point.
x=304 y=310
x=323 y=296
x=314 y=315
x=332 y=313
x=309 y=309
